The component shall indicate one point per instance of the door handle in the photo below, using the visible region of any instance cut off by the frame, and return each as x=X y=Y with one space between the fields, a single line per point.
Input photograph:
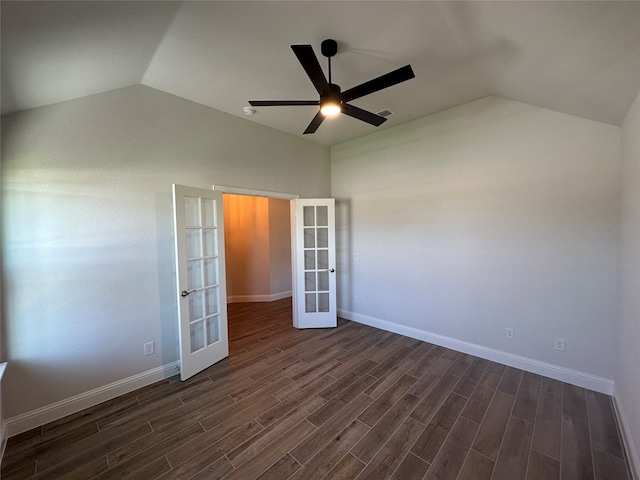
x=184 y=293
x=331 y=270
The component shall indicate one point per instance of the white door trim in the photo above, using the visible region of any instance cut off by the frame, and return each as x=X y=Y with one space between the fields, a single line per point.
x=284 y=196
x=255 y=193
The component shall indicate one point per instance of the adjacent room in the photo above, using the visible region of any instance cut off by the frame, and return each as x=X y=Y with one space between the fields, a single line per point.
x=484 y=167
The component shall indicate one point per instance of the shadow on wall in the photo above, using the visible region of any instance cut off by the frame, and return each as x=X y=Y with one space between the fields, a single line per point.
x=345 y=255
x=167 y=287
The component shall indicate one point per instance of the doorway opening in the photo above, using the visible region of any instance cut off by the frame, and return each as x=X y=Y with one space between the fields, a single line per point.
x=258 y=256
x=258 y=248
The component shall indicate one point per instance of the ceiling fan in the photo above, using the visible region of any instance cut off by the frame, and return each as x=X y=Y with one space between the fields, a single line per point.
x=332 y=100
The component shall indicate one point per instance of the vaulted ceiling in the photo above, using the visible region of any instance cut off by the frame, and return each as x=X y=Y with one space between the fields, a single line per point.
x=581 y=58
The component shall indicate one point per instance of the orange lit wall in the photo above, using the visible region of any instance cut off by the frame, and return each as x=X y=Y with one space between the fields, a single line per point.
x=258 y=248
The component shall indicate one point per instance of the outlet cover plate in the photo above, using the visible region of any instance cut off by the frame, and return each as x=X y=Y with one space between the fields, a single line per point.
x=149 y=349
x=559 y=344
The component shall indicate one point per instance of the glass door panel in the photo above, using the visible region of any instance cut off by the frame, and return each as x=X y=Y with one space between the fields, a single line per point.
x=316 y=246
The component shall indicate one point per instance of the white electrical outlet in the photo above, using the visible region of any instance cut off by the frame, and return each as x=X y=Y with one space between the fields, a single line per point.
x=355 y=255
x=149 y=349
x=558 y=344
x=355 y=299
x=509 y=333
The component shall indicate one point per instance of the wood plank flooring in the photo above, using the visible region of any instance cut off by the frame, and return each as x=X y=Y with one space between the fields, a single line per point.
x=344 y=403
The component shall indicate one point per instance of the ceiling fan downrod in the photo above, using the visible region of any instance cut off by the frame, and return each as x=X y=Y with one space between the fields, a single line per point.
x=329 y=48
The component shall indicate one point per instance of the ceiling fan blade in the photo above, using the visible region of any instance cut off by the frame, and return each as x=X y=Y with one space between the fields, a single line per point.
x=363 y=115
x=309 y=62
x=315 y=123
x=384 y=81
x=280 y=103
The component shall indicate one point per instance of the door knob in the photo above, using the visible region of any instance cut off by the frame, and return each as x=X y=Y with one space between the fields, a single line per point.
x=184 y=293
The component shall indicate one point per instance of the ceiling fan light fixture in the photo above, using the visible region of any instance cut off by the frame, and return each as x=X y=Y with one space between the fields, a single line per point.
x=330 y=108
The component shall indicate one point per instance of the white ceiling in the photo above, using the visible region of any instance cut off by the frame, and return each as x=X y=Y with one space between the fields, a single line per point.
x=581 y=58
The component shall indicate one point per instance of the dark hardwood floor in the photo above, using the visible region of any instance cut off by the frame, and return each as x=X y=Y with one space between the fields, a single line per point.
x=350 y=402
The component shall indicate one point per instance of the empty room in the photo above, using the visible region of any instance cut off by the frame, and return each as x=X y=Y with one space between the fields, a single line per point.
x=320 y=239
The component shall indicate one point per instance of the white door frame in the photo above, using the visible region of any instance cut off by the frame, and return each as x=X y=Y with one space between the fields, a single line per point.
x=256 y=193
x=250 y=192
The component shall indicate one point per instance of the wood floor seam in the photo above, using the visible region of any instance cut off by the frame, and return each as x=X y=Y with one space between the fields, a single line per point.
x=501 y=450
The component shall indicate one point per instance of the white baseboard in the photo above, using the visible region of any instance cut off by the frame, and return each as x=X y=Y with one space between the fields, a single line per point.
x=258 y=298
x=629 y=444
x=574 y=377
x=55 y=411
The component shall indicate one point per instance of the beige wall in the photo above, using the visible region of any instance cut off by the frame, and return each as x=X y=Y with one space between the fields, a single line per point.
x=88 y=258
x=487 y=216
x=280 y=246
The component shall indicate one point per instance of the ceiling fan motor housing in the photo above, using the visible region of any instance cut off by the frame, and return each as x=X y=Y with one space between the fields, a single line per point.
x=329 y=47
x=333 y=94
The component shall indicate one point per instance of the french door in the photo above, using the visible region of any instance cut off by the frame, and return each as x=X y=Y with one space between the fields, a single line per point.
x=314 y=259
x=200 y=272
